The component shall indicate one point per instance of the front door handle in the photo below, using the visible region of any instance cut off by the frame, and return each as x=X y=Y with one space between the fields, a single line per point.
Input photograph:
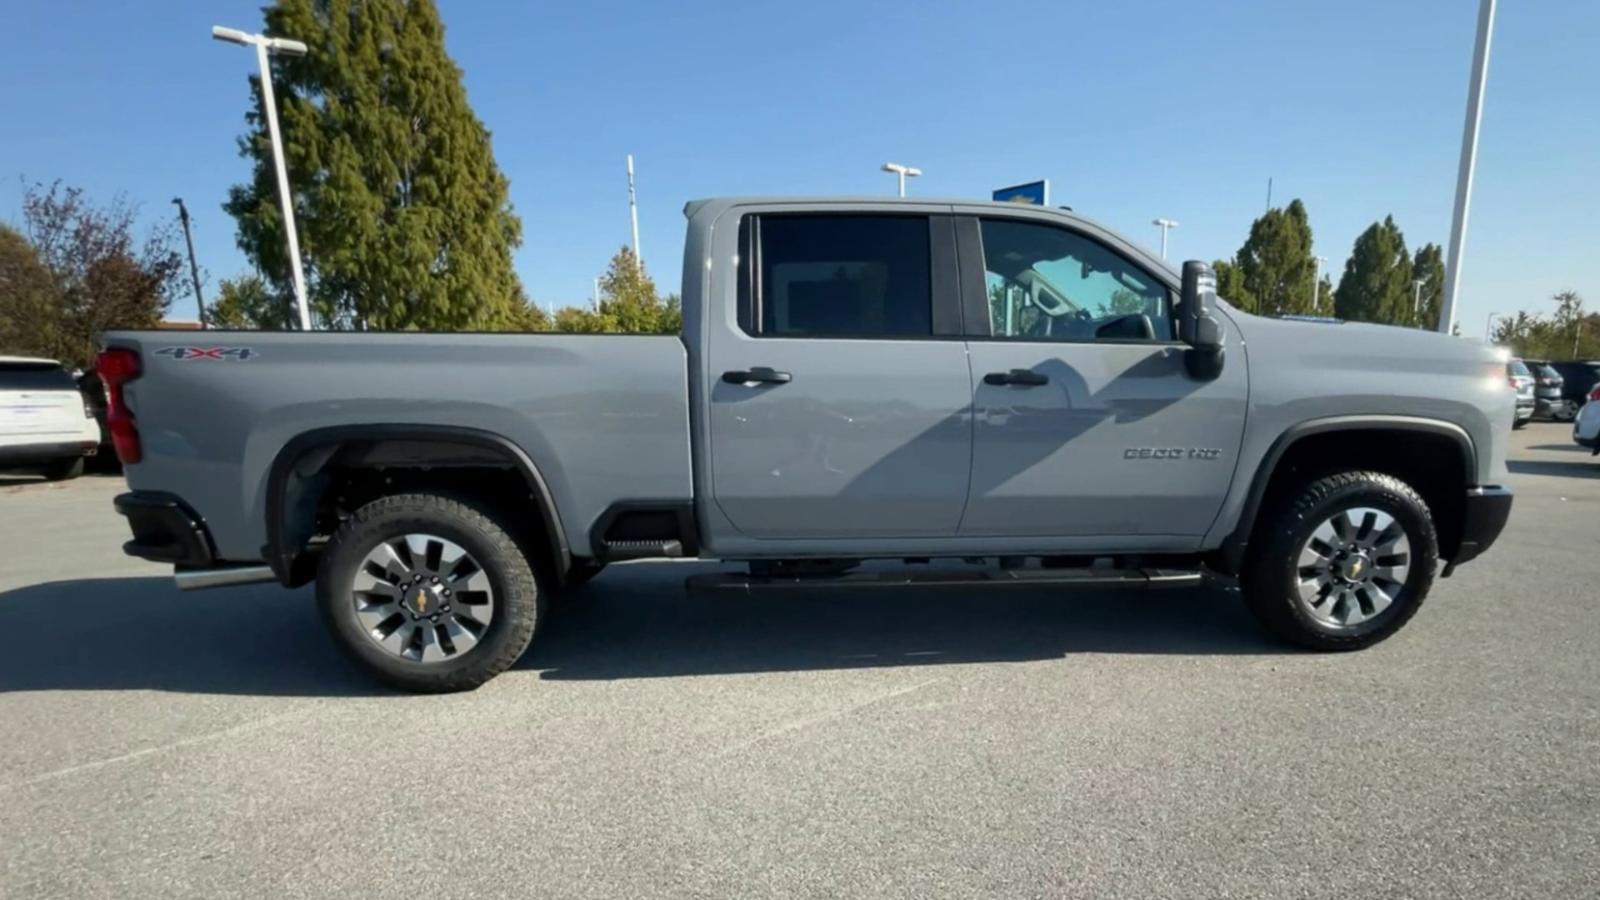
x=1022 y=377
x=757 y=374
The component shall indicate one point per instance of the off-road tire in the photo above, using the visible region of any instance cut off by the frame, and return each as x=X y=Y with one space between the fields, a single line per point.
x=516 y=592
x=1270 y=577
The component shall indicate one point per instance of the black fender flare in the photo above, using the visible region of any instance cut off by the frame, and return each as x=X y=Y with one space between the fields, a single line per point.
x=319 y=445
x=1235 y=544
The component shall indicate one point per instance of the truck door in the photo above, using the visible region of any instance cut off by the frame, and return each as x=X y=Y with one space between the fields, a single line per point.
x=836 y=383
x=1085 y=419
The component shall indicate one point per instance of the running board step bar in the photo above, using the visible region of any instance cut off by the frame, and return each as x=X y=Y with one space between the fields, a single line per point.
x=612 y=551
x=1081 y=579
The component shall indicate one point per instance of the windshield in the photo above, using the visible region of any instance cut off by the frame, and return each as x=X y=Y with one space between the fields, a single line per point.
x=1517 y=368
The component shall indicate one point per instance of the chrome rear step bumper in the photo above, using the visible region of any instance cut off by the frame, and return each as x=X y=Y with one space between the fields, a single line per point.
x=200 y=579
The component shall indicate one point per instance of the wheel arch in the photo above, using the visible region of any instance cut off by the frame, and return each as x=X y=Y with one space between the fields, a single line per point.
x=298 y=477
x=1312 y=443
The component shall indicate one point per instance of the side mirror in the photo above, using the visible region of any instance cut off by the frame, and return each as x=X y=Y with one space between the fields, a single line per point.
x=1196 y=326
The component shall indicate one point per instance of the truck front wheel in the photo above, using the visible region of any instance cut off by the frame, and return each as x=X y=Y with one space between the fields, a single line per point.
x=428 y=592
x=1342 y=562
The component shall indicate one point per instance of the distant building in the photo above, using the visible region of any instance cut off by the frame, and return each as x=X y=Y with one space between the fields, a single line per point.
x=178 y=325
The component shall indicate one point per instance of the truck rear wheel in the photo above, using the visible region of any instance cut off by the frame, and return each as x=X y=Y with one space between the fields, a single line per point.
x=428 y=592
x=1343 y=562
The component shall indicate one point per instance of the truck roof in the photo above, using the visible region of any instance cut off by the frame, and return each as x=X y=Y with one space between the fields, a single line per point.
x=929 y=204
x=692 y=206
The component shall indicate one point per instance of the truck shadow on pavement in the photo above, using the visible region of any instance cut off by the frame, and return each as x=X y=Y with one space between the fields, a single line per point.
x=145 y=634
x=1585 y=466
x=634 y=621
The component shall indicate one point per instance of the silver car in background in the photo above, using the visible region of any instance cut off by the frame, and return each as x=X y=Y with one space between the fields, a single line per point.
x=1522 y=379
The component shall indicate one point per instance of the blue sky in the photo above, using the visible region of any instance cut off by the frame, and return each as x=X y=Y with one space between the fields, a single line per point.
x=1133 y=110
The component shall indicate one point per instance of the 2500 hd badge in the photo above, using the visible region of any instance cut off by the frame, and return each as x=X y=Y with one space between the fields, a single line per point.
x=1171 y=453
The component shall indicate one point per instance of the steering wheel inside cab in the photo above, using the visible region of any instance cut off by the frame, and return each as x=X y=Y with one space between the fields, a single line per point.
x=1062 y=317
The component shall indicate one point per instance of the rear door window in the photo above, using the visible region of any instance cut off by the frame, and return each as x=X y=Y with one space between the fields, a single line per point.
x=841 y=276
x=35 y=377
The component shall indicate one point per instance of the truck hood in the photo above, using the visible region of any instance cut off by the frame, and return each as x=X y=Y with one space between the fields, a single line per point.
x=1383 y=347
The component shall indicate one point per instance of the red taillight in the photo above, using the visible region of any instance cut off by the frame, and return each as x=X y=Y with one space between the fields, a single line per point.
x=116 y=367
x=1594 y=393
x=1512 y=380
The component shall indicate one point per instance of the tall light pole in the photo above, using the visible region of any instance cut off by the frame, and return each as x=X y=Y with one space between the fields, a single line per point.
x=1416 y=298
x=1316 y=282
x=903 y=171
x=194 y=269
x=1165 y=225
x=1469 y=160
x=264 y=45
x=633 y=213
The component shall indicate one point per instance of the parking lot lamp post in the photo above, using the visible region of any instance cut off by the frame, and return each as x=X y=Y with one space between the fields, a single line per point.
x=1165 y=225
x=1416 y=299
x=1469 y=160
x=1316 y=282
x=286 y=47
x=903 y=171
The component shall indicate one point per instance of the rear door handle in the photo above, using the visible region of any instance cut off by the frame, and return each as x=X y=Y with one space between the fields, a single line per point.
x=757 y=374
x=1022 y=377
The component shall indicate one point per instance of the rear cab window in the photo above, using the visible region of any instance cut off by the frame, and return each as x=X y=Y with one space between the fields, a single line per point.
x=836 y=276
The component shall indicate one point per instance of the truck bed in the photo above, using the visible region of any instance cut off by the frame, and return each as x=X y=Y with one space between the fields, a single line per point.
x=603 y=417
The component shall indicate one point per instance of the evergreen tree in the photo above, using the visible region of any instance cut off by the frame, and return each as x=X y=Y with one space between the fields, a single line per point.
x=1275 y=262
x=1231 y=286
x=249 y=302
x=1324 y=305
x=1428 y=268
x=629 y=301
x=404 y=217
x=1376 y=286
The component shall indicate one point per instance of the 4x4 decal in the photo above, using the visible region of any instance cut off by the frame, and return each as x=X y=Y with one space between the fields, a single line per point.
x=218 y=353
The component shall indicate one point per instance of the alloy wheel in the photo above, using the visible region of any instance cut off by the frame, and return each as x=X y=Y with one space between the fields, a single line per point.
x=423 y=598
x=1353 y=566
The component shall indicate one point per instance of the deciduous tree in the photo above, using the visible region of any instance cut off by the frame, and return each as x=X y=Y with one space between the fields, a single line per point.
x=29 y=304
x=96 y=274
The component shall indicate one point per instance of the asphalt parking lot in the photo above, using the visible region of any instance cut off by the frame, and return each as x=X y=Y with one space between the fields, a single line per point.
x=883 y=744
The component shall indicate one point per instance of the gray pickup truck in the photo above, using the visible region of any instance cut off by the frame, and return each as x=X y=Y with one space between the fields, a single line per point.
x=991 y=394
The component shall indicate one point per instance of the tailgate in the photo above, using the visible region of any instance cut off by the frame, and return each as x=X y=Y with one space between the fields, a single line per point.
x=40 y=412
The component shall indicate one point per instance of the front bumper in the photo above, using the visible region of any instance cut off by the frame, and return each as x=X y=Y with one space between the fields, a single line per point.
x=1483 y=517
x=165 y=529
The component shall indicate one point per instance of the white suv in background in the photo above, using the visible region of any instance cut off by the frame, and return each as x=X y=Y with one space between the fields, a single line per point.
x=1586 y=427
x=45 y=425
